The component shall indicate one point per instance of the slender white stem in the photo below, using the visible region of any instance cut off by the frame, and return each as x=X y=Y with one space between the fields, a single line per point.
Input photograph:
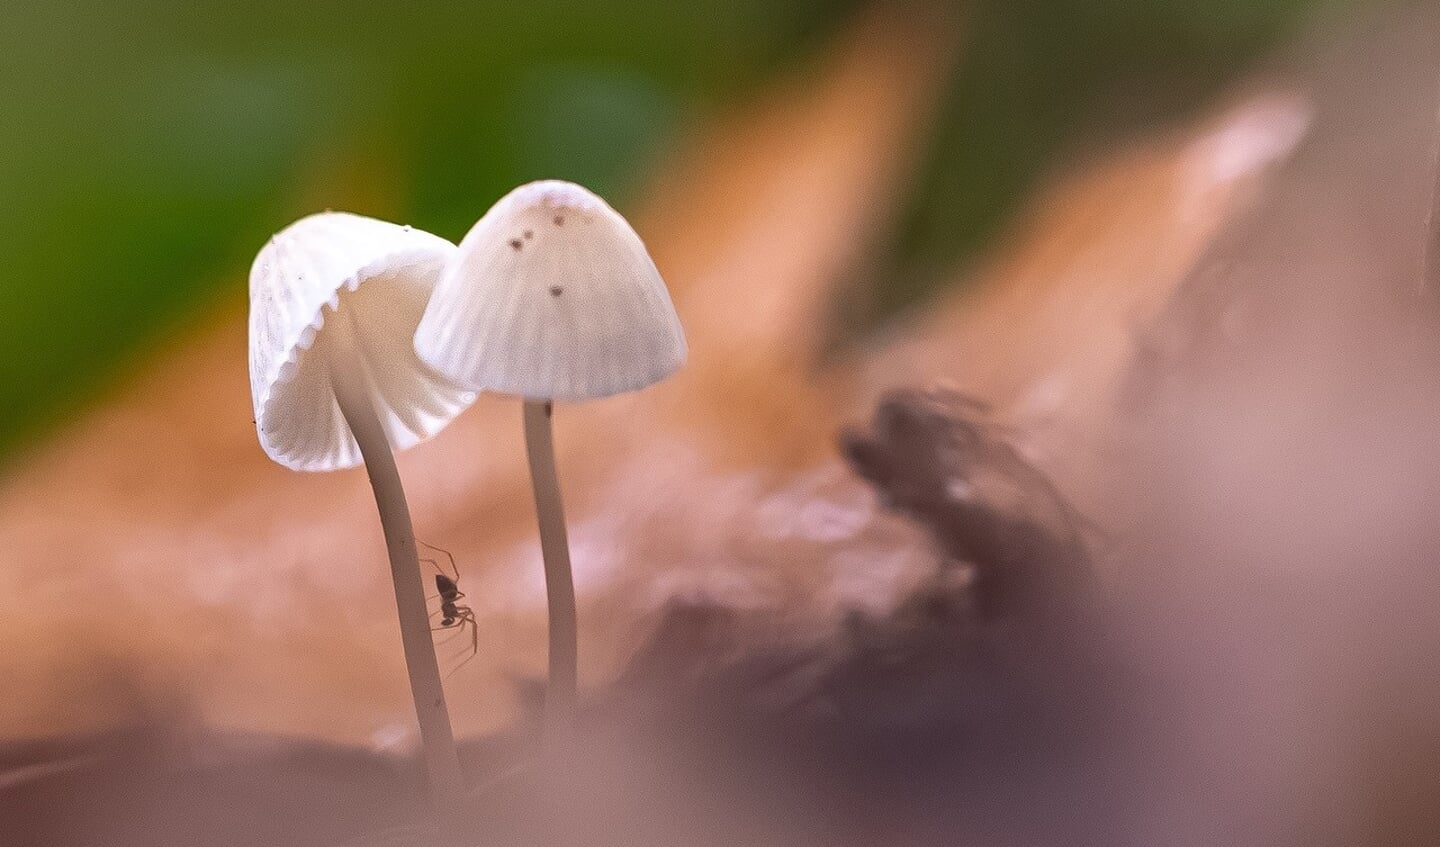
x=442 y=764
x=559 y=586
x=1430 y=257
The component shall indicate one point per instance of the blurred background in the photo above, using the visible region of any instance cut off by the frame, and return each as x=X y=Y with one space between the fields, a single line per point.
x=1181 y=252
x=149 y=146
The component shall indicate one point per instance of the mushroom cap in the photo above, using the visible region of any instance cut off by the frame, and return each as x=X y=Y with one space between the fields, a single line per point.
x=552 y=296
x=370 y=281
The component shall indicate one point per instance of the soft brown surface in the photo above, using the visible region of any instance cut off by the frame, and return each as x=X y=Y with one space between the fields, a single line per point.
x=727 y=726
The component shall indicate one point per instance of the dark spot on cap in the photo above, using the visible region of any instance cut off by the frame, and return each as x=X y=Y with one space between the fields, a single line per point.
x=529 y=235
x=556 y=290
x=559 y=220
x=516 y=243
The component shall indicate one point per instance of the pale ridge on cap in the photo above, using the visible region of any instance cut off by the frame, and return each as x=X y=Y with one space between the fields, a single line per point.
x=552 y=295
x=338 y=266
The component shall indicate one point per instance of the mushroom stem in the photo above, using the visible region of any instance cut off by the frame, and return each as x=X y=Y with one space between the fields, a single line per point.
x=560 y=696
x=442 y=764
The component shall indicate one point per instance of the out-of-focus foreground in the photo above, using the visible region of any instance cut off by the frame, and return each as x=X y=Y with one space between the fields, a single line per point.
x=1215 y=342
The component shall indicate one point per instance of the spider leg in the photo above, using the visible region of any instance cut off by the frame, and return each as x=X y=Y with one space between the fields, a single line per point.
x=468 y=618
x=447 y=640
x=456 y=624
x=453 y=568
x=436 y=565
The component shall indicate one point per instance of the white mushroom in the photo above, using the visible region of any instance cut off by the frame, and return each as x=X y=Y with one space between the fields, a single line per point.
x=334 y=302
x=552 y=296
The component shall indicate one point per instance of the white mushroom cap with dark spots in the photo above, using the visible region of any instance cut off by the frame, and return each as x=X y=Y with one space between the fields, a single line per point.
x=341 y=291
x=552 y=296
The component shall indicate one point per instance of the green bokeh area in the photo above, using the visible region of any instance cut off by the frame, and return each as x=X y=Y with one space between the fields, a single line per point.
x=1040 y=80
x=147 y=148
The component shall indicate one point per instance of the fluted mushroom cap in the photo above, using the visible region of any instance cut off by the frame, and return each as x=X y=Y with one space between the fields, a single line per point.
x=341 y=291
x=552 y=296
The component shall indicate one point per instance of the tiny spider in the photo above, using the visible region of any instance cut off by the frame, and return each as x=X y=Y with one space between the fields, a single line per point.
x=452 y=613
